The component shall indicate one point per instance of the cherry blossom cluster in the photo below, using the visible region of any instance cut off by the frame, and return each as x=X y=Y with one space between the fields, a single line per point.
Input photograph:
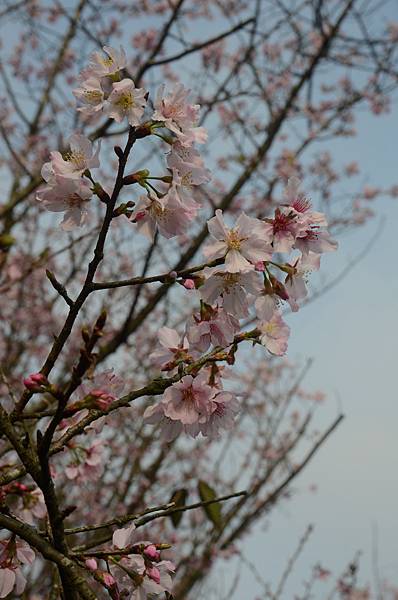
x=244 y=276
x=138 y=572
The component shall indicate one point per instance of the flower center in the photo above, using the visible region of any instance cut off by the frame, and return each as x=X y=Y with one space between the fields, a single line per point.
x=77 y=158
x=125 y=101
x=234 y=240
x=93 y=96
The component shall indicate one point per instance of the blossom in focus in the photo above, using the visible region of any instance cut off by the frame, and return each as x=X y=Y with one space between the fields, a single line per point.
x=189 y=400
x=179 y=115
x=71 y=196
x=242 y=246
x=189 y=165
x=126 y=100
x=298 y=201
x=174 y=348
x=316 y=241
x=213 y=326
x=237 y=290
x=274 y=334
x=91 y=95
x=222 y=418
x=295 y=283
x=165 y=214
x=75 y=162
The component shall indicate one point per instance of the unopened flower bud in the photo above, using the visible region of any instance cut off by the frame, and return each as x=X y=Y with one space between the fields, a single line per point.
x=35 y=382
x=151 y=552
x=91 y=564
x=189 y=284
x=154 y=574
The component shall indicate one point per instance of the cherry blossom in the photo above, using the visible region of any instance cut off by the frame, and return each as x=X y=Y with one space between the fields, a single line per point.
x=189 y=401
x=75 y=162
x=237 y=290
x=212 y=326
x=295 y=282
x=13 y=554
x=242 y=246
x=67 y=195
x=178 y=115
x=164 y=214
x=274 y=334
x=175 y=348
x=138 y=579
x=188 y=164
x=91 y=95
x=155 y=415
x=126 y=100
x=104 y=66
x=222 y=418
x=105 y=387
x=86 y=463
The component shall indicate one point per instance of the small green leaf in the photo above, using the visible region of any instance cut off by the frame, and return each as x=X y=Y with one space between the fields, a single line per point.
x=179 y=497
x=213 y=511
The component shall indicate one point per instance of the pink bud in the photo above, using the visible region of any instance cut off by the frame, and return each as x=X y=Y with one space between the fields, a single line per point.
x=173 y=274
x=108 y=579
x=154 y=574
x=34 y=381
x=189 y=284
x=91 y=564
x=151 y=552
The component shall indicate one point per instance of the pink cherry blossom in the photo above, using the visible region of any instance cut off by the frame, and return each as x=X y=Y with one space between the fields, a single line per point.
x=153 y=579
x=80 y=157
x=86 y=463
x=189 y=401
x=316 y=241
x=266 y=304
x=300 y=204
x=179 y=115
x=35 y=382
x=105 y=387
x=126 y=100
x=175 y=348
x=213 y=326
x=151 y=552
x=91 y=95
x=242 y=246
x=274 y=334
x=165 y=214
x=222 y=418
x=13 y=554
x=295 y=283
x=188 y=164
x=103 y=66
x=170 y=429
x=237 y=290
x=67 y=195
x=283 y=229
